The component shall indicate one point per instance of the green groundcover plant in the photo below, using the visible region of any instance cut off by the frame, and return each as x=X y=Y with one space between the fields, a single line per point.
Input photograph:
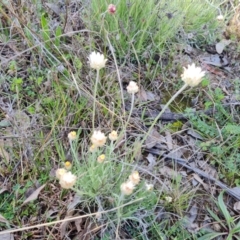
x=104 y=175
x=137 y=26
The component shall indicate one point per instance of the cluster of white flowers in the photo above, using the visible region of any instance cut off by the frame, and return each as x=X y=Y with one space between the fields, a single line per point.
x=192 y=76
x=128 y=186
x=99 y=139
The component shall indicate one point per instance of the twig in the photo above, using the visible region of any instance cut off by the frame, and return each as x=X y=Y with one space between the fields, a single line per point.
x=171 y=116
x=183 y=163
x=68 y=219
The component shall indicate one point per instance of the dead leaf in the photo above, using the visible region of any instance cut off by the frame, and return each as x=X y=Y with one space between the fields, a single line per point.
x=193 y=213
x=152 y=161
x=236 y=191
x=3 y=220
x=197 y=178
x=55 y=8
x=76 y=200
x=137 y=146
x=52 y=213
x=208 y=169
x=169 y=141
x=69 y=29
x=194 y=134
x=214 y=60
x=142 y=95
x=152 y=97
x=236 y=206
x=52 y=173
x=71 y=206
x=153 y=138
x=63 y=226
x=34 y=195
x=21 y=120
x=7 y=236
x=90 y=228
x=3 y=153
x=213 y=70
x=166 y=171
x=4 y=189
x=147 y=95
x=216 y=226
x=78 y=223
x=177 y=153
x=5 y=123
x=221 y=45
x=190 y=218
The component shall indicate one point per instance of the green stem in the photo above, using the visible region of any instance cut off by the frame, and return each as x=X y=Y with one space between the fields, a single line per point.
x=119 y=213
x=164 y=109
x=118 y=74
x=131 y=109
x=94 y=99
x=74 y=154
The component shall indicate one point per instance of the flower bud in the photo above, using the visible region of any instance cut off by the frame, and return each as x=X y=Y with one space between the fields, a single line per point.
x=101 y=158
x=113 y=136
x=149 y=187
x=92 y=148
x=220 y=18
x=168 y=199
x=111 y=9
x=60 y=172
x=72 y=136
x=68 y=165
